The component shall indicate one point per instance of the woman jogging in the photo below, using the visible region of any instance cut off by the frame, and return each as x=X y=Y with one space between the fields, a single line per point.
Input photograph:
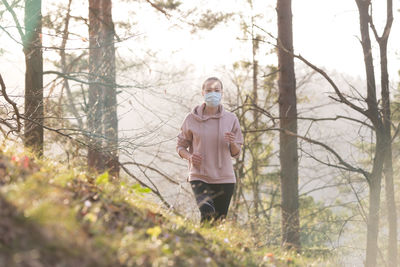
x=209 y=137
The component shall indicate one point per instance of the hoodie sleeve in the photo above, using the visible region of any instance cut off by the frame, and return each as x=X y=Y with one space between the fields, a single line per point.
x=238 y=136
x=185 y=137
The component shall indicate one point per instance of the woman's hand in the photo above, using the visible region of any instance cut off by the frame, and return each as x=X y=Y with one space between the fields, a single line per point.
x=229 y=137
x=233 y=147
x=195 y=160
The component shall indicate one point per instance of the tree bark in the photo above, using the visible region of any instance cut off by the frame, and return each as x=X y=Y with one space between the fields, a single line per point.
x=102 y=115
x=255 y=142
x=288 y=121
x=388 y=161
x=391 y=207
x=110 y=119
x=34 y=114
x=375 y=178
x=95 y=104
x=375 y=181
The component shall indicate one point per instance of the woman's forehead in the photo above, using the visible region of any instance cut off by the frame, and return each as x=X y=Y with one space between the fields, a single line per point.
x=212 y=85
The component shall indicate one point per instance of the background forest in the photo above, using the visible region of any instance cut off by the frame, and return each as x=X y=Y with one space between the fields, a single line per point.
x=93 y=94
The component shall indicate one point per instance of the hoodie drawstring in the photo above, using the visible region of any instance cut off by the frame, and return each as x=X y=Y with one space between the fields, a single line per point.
x=219 y=143
x=202 y=148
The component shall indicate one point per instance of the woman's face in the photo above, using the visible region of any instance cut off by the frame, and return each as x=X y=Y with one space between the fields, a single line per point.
x=212 y=86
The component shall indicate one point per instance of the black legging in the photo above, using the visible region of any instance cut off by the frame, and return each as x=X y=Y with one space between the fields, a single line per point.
x=212 y=199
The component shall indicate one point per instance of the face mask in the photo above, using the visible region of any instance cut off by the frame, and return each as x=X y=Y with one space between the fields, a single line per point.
x=212 y=99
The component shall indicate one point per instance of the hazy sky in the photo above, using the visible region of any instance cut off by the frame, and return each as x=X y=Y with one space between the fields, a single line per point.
x=328 y=34
x=325 y=32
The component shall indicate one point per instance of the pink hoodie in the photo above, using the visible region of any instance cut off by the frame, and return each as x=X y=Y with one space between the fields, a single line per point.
x=205 y=135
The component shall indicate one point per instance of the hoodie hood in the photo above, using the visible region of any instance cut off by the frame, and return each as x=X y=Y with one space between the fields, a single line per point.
x=198 y=114
x=198 y=111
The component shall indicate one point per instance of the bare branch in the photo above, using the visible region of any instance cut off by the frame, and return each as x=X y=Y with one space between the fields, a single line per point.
x=66 y=76
x=396 y=132
x=12 y=37
x=372 y=25
x=156 y=192
x=13 y=104
x=336 y=118
x=159 y=8
x=69 y=136
x=342 y=98
x=388 y=25
x=346 y=165
x=331 y=150
x=317 y=159
x=12 y=12
x=152 y=169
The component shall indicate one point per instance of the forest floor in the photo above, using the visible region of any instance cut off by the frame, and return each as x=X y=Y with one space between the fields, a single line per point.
x=52 y=215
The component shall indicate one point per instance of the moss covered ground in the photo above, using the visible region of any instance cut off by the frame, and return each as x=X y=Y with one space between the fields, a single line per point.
x=53 y=215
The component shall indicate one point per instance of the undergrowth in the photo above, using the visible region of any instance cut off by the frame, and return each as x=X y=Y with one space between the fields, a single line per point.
x=52 y=215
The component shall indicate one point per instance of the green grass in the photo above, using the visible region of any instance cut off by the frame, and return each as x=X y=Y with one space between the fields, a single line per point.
x=55 y=215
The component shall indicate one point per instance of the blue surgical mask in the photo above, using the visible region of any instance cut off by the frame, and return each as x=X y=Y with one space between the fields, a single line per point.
x=212 y=99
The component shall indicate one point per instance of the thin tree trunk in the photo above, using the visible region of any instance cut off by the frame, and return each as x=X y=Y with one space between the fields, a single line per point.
x=374 y=206
x=236 y=200
x=239 y=170
x=373 y=113
x=64 y=67
x=288 y=121
x=255 y=147
x=391 y=207
x=374 y=201
x=388 y=162
x=33 y=76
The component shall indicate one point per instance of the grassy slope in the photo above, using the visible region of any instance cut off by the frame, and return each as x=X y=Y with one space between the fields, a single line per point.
x=54 y=216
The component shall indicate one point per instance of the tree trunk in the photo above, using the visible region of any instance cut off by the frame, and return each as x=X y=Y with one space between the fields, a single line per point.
x=239 y=172
x=95 y=104
x=32 y=42
x=388 y=161
x=64 y=68
x=256 y=146
x=102 y=117
x=288 y=121
x=375 y=178
x=110 y=119
x=391 y=207
x=374 y=204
